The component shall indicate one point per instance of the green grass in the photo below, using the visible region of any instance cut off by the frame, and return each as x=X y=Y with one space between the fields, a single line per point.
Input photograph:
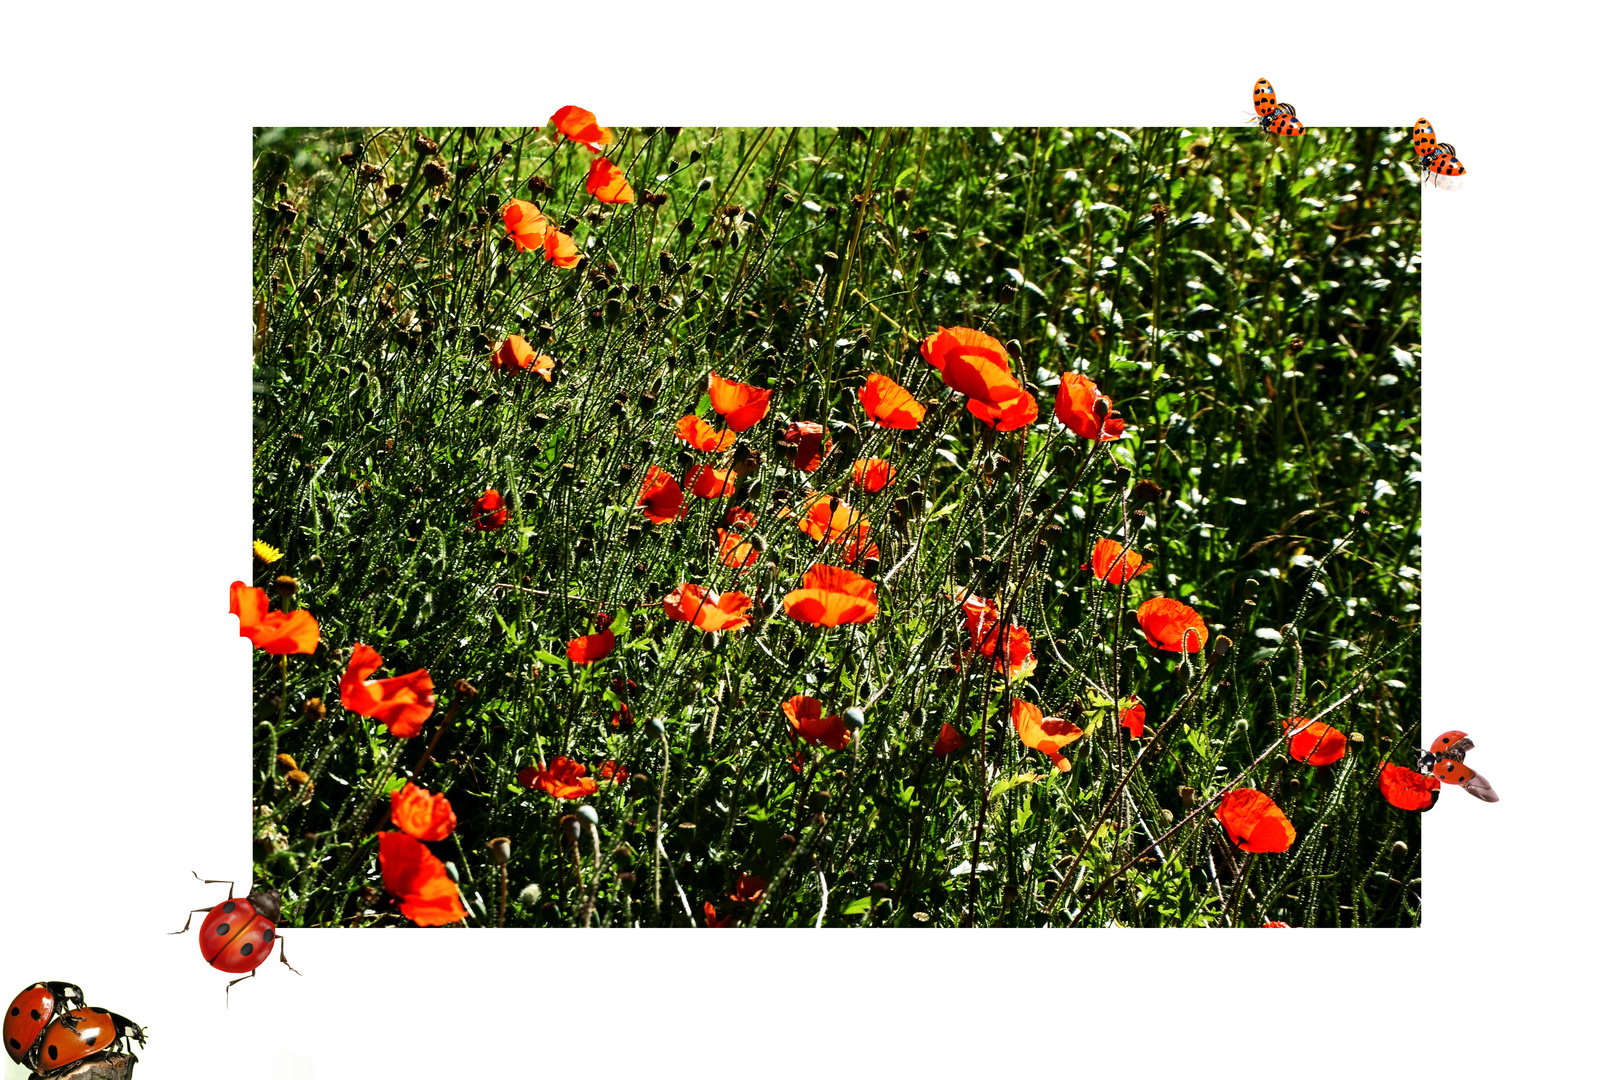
x=1259 y=331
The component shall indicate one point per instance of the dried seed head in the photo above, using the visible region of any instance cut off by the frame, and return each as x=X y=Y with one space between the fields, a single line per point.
x=501 y=849
x=1161 y=213
x=286 y=585
x=1222 y=646
x=314 y=709
x=287 y=761
x=1295 y=346
x=466 y=689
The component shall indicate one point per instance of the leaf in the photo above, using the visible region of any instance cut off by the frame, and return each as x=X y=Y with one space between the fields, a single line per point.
x=858 y=907
x=548 y=658
x=621 y=622
x=1007 y=783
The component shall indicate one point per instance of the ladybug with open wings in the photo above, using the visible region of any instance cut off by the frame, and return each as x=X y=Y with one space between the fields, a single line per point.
x=239 y=932
x=1444 y=760
x=1279 y=119
x=1437 y=158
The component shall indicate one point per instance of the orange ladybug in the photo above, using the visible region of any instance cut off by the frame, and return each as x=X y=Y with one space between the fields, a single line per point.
x=83 y=1034
x=31 y=1013
x=1444 y=760
x=1279 y=119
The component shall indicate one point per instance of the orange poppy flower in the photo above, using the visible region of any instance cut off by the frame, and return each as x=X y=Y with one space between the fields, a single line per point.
x=1047 y=734
x=515 y=354
x=563 y=779
x=982 y=622
x=804 y=713
x=712 y=919
x=949 y=741
x=890 y=405
x=1275 y=926
x=606 y=181
x=832 y=596
x=526 y=225
x=1165 y=621
x=707 y=610
x=1254 y=822
x=873 y=474
x=1021 y=411
x=839 y=525
x=696 y=430
x=740 y=515
x=1406 y=789
x=614 y=772
x=1077 y=399
x=276 y=632
x=489 y=512
x=573 y=122
x=973 y=363
x=749 y=890
x=560 y=249
x=705 y=483
x=660 y=497
x=1108 y=564
x=1132 y=715
x=806 y=437
x=742 y=405
x=1315 y=743
x=410 y=873
x=591 y=647
x=424 y=816
x=736 y=551
x=403 y=702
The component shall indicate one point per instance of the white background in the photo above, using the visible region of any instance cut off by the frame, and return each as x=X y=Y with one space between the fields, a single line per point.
x=126 y=507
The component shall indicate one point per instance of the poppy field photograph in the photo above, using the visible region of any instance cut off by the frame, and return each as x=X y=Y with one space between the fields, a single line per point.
x=865 y=527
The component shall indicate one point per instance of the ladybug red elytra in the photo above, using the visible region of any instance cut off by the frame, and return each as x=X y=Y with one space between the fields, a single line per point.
x=239 y=932
x=80 y=1035
x=31 y=1012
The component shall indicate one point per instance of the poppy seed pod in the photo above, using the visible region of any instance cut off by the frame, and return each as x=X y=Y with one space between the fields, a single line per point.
x=588 y=813
x=854 y=717
x=1222 y=645
x=1397 y=850
x=570 y=828
x=657 y=724
x=501 y=849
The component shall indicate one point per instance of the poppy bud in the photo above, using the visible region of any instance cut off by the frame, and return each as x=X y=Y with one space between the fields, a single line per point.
x=1222 y=645
x=1397 y=850
x=1250 y=587
x=1293 y=784
x=685 y=229
x=286 y=586
x=501 y=849
x=529 y=895
x=854 y=717
x=453 y=872
x=1168 y=817
x=1184 y=674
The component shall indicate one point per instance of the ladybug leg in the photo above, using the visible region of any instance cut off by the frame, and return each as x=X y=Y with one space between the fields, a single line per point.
x=229 y=892
x=290 y=968
x=233 y=982
x=194 y=911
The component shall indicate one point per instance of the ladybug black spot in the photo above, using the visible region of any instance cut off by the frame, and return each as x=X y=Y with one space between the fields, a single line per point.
x=269 y=936
x=103 y=1012
x=31 y=1012
x=247 y=950
x=51 y=1050
x=224 y=928
x=15 y=1044
x=15 y=1011
x=91 y=1040
x=228 y=906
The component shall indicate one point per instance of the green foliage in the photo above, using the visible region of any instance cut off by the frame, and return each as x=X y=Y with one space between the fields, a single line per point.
x=1251 y=310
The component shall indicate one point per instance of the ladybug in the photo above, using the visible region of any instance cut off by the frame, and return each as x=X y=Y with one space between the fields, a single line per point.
x=1279 y=119
x=81 y=1035
x=239 y=932
x=31 y=1013
x=1437 y=158
x=1444 y=760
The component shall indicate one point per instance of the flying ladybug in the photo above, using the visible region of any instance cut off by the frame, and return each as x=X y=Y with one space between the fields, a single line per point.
x=1444 y=760
x=1279 y=119
x=1436 y=158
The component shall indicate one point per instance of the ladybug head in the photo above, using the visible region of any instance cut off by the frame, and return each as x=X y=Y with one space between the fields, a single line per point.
x=1425 y=761
x=67 y=995
x=267 y=903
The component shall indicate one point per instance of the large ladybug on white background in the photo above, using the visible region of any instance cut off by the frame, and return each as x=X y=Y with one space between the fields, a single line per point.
x=80 y=1037
x=239 y=932
x=31 y=1012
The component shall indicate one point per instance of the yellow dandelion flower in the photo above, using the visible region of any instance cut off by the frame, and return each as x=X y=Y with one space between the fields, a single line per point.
x=264 y=552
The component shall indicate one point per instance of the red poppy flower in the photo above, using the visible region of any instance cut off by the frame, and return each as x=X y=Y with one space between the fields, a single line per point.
x=1165 y=621
x=573 y=122
x=1254 y=822
x=623 y=713
x=560 y=249
x=712 y=919
x=1132 y=715
x=526 y=225
x=705 y=483
x=424 y=816
x=749 y=890
x=1275 y=926
x=696 y=430
x=660 y=497
x=1108 y=564
x=832 y=596
x=403 y=702
x=591 y=647
x=1315 y=743
x=973 y=363
x=873 y=474
x=839 y=525
x=707 y=610
x=890 y=405
x=742 y=405
x=736 y=551
x=1406 y=789
x=276 y=632
x=614 y=772
x=982 y=622
x=606 y=181
x=489 y=512
x=740 y=515
x=1047 y=734
x=515 y=354
x=949 y=741
x=806 y=437
x=1021 y=411
x=562 y=779
x=410 y=873
x=804 y=713
x=1077 y=399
